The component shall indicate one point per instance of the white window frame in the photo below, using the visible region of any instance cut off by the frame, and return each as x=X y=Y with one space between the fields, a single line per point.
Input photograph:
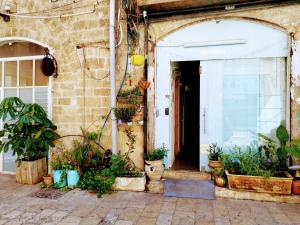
x=2 y=88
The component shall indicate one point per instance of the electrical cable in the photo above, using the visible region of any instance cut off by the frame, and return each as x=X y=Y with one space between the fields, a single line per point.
x=121 y=85
x=58 y=8
x=84 y=67
x=52 y=17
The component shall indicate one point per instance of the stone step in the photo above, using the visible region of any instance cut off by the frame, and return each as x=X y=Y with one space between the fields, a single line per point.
x=223 y=192
x=186 y=174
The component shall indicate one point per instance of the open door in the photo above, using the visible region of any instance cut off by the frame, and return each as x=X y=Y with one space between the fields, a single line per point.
x=210 y=107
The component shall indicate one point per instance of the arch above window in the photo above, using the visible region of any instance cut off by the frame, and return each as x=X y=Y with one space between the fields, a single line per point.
x=20 y=48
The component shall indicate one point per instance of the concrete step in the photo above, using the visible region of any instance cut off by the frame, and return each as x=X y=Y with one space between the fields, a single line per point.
x=186 y=174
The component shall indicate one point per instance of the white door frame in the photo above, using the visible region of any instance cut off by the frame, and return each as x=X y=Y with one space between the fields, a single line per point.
x=207 y=41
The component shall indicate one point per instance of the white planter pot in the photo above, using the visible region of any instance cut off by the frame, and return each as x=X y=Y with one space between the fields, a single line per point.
x=154 y=169
x=129 y=184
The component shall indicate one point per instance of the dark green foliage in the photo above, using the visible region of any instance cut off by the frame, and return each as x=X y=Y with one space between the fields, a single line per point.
x=131 y=95
x=101 y=179
x=246 y=163
x=29 y=132
x=97 y=180
x=156 y=154
x=125 y=113
x=215 y=152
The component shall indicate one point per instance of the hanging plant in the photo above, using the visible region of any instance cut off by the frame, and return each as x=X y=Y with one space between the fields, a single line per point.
x=125 y=114
x=131 y=96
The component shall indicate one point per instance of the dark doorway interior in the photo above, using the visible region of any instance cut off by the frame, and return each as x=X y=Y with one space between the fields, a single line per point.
x=186 y=95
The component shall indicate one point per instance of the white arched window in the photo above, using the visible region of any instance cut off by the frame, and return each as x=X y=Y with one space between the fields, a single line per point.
x=21 y=76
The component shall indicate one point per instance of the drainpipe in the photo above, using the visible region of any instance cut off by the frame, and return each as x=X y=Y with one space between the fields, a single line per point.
x=112 y=71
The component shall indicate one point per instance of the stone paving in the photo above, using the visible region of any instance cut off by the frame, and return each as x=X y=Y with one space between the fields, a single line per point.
x=127 y=208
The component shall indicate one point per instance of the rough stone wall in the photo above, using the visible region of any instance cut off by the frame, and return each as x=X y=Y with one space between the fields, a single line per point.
x=283 y=17
x=78 y=99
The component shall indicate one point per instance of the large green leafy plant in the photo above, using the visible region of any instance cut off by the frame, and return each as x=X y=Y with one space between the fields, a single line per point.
x=27 y=130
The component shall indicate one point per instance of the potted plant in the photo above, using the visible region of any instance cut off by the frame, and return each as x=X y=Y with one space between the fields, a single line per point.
x=59 y=170
x=154 y=167
x=125 y=114
x=131 y=96
x=48 y=180
x=29 y=134
x=130 y=178
x=294 y=151
x=215 y=156
x=251 y=170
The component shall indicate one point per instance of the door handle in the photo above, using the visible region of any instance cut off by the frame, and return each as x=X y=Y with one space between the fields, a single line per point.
x=204 y=120
x=167 y=111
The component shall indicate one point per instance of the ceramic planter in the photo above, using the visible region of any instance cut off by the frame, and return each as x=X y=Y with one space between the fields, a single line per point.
x=59 y=178
x=214 y=164
x=275 y=185
x=48 y=180
x=72 y=178
x=154 y=169
x=220 y=181
x=129 y=183
x=120 y=122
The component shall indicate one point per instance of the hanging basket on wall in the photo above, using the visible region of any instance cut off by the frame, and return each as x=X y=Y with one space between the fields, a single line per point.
x=49 y=65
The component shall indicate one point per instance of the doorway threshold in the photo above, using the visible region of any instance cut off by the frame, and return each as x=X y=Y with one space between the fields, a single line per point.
x=186 y=174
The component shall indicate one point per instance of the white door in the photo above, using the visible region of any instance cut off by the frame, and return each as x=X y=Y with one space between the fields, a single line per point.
x=210 y=106
x=238 y=99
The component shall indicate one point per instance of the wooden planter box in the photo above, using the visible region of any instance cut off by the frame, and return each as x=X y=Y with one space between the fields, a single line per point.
x=124 y=100
x=275 y=185
x=31 y=172
x=129 y=184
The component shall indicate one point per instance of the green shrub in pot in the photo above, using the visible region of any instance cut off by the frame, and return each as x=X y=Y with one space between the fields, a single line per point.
x=29 y=134
x=154 y=163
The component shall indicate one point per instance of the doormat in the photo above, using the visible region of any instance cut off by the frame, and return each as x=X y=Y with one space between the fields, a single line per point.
x=203 y=189
x=48 y=193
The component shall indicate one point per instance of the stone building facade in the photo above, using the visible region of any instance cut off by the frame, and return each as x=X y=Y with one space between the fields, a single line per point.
x=80 y=93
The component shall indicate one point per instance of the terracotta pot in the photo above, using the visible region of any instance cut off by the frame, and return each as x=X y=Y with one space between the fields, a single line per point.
x=154 y=169
x=296 y=187
x=144 y=84
x=48 y=180
x=214 y=164
x=220 y=181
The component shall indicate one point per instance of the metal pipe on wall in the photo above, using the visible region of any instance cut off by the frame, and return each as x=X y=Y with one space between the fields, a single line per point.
x=112 y=71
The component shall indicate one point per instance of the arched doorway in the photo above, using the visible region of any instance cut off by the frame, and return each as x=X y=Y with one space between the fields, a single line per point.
x=21 y=76
x=219 y=81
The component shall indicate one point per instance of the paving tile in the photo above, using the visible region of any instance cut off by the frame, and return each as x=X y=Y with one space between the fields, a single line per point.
x=164 y=219
x=127 y=208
